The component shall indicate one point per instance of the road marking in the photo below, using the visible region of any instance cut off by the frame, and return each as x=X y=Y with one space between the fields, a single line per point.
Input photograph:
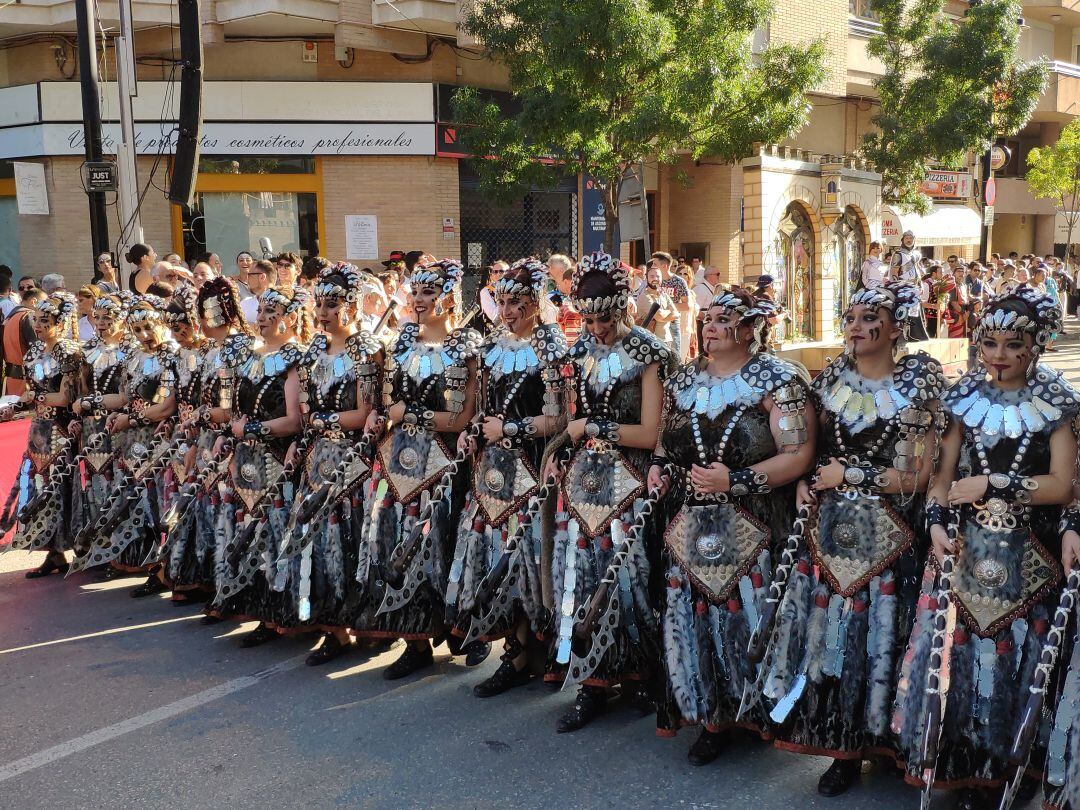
x=101 y=735
x=98 y=634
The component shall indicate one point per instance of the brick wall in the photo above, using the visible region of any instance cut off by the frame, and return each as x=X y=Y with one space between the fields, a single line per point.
x=795 y=23
x=707 y=208
x=410 y=196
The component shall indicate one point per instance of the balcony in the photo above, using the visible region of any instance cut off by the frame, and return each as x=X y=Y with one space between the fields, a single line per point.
x=430 y=16
x=1061 y=101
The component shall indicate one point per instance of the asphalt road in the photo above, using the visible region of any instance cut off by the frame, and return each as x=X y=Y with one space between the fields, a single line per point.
x=110 y=702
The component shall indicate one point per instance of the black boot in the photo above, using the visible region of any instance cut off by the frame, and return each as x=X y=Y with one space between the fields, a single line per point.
x=636 y=694
x=149 y=588
x=507 y=676
x=971 y=799
x=330 y=649
x=53 y=565
x=260 y=635
x=476 y=653
x=706 y=748
x=413 y=659
x=840 y=776
x=590 y=703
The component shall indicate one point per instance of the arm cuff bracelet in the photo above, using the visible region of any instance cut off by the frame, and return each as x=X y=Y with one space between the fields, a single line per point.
x=748 y=482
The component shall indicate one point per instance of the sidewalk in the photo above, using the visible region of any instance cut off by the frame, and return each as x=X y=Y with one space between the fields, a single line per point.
x=1067 y=358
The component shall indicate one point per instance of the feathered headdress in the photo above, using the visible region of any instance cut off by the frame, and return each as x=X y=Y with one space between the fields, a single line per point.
x=218 y=302
x=901 y=299
x=510 y=283
x=341 y=280
x=1024 y=310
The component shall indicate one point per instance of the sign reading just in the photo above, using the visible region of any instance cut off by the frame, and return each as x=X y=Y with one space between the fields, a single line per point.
x=231 y=139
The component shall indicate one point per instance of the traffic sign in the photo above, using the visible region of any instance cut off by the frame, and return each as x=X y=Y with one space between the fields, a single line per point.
x=990 y=193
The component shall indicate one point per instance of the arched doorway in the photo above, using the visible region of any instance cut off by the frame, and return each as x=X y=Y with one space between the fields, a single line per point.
x=795 y=272
x=850 y=245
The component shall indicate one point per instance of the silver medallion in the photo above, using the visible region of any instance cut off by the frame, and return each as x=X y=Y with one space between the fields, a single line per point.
x=494 y=480
x=591 y=483
x=408 y=459
x=710 y=546
x=846 y=535
x=990 y=573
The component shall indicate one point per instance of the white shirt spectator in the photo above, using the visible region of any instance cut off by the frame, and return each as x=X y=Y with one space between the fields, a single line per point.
x=250 y=307
x=86 y=329
x=6 y=305
x=488 y=305
x=874 y=272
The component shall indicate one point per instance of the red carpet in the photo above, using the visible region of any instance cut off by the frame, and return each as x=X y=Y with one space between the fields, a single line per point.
x=12 y=447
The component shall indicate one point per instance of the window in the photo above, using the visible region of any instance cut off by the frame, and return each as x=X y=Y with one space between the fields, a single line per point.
x=794 y=274
x=849 y=245
x=229 y=222
x=862 y=8
x=9 y=234
x=238 y=164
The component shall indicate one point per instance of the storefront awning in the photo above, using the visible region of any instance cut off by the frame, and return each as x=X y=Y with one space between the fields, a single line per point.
x=944 y=225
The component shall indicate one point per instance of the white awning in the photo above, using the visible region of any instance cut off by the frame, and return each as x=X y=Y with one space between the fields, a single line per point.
x=944 y=225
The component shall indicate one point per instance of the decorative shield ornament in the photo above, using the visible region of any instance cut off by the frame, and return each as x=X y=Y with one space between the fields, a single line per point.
x=599 y=486
x=1000 y=576
x=412 y=462
x=159 y=447
x=715 y=545
x=327 y=462
x=502 y=480
x=97 y=444
x=40 y=445
x=255 y=473
x=209 y=468
x=856 y=540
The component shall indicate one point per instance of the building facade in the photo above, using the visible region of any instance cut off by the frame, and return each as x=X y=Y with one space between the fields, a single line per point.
x=328 y=130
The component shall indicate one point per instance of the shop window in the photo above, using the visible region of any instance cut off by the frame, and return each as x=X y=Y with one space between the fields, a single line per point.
x=232 y=221
x=794 y=274
x=239 y=164
x=9 y=233
x=849 y=246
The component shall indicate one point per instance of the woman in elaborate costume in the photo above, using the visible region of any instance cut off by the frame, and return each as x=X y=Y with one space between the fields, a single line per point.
x=1007 y=467
x=521 y=405
x=262 y=476
x=431 y=394
x=142 y=447
x=618 y=372
x=850 y=599
x=105 y=358
x=191 y=564
x=183 y=566
x=45 y=485
x=341 y=381
x=737 y=432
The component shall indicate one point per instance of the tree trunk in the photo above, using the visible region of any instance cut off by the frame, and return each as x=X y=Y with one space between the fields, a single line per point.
x=611 y=215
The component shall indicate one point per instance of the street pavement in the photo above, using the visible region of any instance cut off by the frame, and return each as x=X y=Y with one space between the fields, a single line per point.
x=111 y=702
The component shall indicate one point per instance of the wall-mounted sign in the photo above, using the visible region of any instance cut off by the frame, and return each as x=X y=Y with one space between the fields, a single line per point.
x=99 y=176
x=361 y=236
x=31 y=192
x=231 y=139
x=999 y=157
x=947 y=185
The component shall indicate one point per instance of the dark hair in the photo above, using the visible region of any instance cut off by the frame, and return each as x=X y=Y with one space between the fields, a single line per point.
x=244 y=252
x=162 y=289
x=36 y=294
x=5 y=270
x=224 y=289
x=662 y=256
x=313 y=265
x=5 y=284
x=136 y=253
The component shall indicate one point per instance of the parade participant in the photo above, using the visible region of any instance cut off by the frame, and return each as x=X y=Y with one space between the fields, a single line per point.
x=737 y=432
x=263 y=470
x=1061 y=776
x=1007 y=464
x=340 y=376
x=181 y=564
x=906 y=266
x=430 y=393
x=850 y=596
x=45 y=485
x=192 y=559
x=105 y=358
x=521 y=404
x=141 y=447
x=619 y=369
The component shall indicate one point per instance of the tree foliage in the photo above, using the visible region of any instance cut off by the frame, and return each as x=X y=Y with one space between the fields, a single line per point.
x=1053 y=172
x=950 y=87
x=604 y=84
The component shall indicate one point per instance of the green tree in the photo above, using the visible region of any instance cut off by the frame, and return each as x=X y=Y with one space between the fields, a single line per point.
x=1053 y=172
x=605 y=84
x=950 y=88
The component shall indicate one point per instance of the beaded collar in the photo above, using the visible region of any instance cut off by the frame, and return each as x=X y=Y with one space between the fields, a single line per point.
x=1043 y=405
x=707 y=395
x=420 y=361
x=858 y=403
x=507 y=354
x=604 y=366
x=101 y=356
x=64 y=358
x=272 y=364
x=327 y=370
